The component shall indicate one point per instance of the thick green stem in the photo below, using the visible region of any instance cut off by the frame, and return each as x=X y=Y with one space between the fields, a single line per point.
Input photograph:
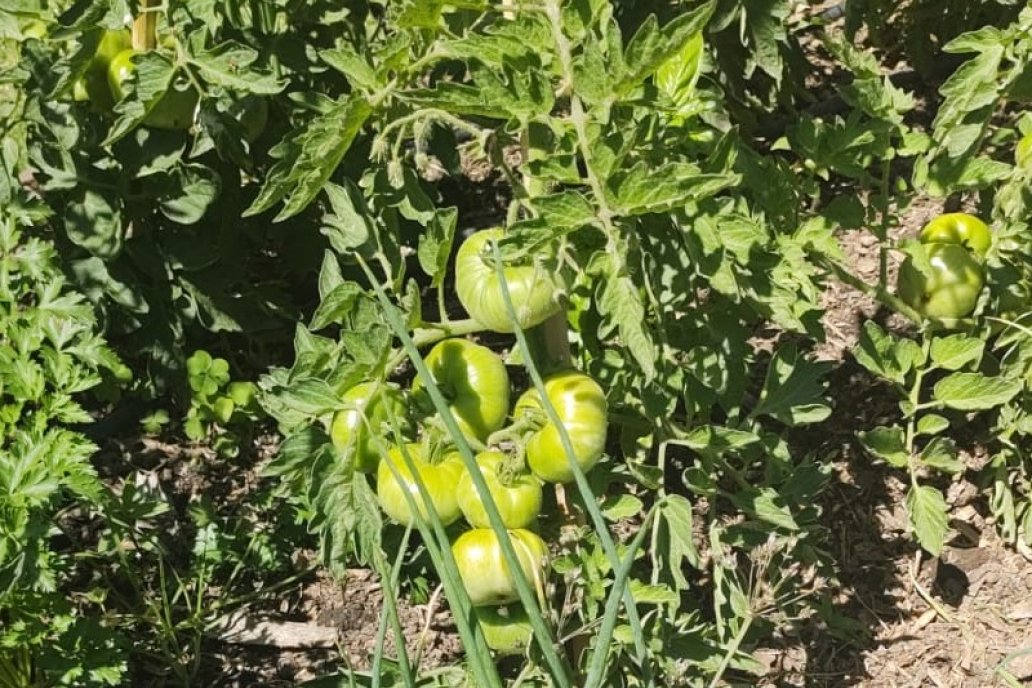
x=548 y=345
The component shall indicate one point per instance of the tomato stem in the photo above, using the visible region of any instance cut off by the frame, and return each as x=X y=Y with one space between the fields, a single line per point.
x=548 y=345
x=145 y=25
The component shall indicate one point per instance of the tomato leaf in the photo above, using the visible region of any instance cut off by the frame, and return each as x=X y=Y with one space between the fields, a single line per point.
x=793 y=391
x=886 y=355
x=887 y=444
x=346 y=60
x=941 y=453
x=974 y=391
x=435 y=245
x=310 y=156
x=675 y=526
x=928 y=517
x=956 y=351
x=229 y=64
x=642 y=190
x=932 y=424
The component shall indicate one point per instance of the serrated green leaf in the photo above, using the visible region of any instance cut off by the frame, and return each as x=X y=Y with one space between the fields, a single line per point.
x=651 y=46
x=435 y=245
x=886 y=355
x=766 y=505
x=348 y=226
x=676 y=532
x=565 y=210
x=621 y=507
x=229 y=64
x=928 y=517
x=311 y=156
x=197 y=187
x=715 y=439
x=336 y=306
x=932 y=424
x=355 y=67
x=642 y=190
x=941 y=453
x=621 y=303
x=93 y=223
x=886 y=443
x=793 y=392
x=956 y=351
x=974 y=391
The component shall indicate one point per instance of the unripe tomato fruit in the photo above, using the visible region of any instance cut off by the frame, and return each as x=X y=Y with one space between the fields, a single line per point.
x=440 y=480
x=485 y=574
x=518 y=501
x=174 y=110
x=958 y=228
x=95 y=80
x=368 y=409
x=581 y=406
x=532 y=288
x=952 y=288
x=507 y=629
x=473 y=381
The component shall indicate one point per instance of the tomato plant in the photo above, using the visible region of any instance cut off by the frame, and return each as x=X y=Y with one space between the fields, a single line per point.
x=533 y=288
x=486 y=575
x=580 y=404
x=357 y=427
x=394 y=478
x=516 y=493
x=474 y=381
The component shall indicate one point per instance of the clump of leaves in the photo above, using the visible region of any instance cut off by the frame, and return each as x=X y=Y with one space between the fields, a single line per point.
x=218 y=404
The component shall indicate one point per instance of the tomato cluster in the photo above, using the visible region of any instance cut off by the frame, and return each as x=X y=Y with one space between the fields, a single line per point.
x=373 y=431
x=955 y=245
x=112 y=66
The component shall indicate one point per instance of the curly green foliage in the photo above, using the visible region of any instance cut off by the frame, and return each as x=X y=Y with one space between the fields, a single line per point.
x=50 y=353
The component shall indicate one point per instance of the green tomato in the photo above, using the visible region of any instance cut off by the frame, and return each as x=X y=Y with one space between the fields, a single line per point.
x=484 y=571
x=439 y=478
x=1023 y=151
x=952 y=288
x=473 y=381
x=581 y=406
x=173 y=110
x=518 y=500
x=532 y=287
x=507 y=629
x=958 y=228
x=357 y=425
x=95 y=79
